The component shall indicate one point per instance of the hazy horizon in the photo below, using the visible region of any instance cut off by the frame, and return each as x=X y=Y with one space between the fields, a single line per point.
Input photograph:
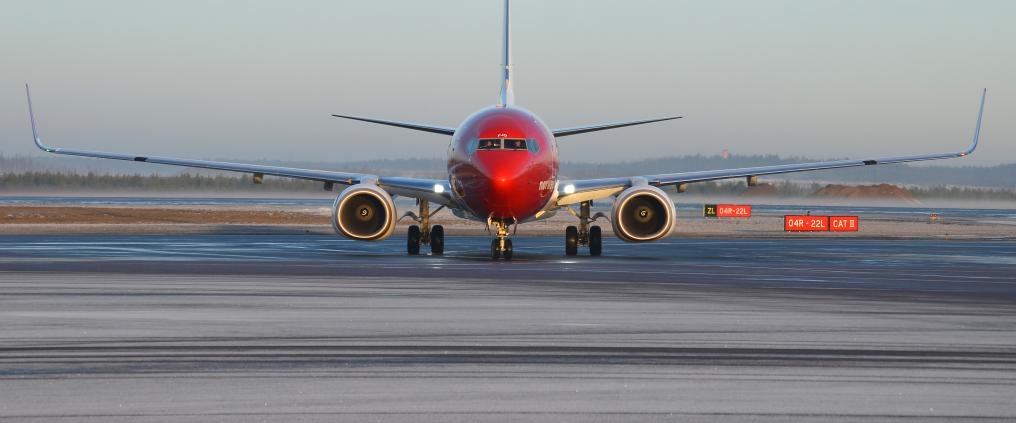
x=258 y=80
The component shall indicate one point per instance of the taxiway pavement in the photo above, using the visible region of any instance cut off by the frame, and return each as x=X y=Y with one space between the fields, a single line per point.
x=314 y=328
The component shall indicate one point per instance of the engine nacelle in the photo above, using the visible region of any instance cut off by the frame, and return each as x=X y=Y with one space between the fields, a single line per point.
x=365 y=213
x=643 y=214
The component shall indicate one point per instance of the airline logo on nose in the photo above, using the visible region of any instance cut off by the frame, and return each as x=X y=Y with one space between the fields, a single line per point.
x=546 y=187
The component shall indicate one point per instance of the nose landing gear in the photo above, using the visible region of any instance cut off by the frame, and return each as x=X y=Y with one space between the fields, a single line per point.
x=424 y=233
x=584 y=234
x=500 y=246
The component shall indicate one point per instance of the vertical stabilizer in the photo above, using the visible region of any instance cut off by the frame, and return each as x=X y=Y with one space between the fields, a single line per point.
x=507 y=95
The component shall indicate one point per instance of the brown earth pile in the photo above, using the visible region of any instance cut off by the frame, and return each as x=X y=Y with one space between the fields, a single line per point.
x=875 y=192
x=761 y=190
x=120 y=215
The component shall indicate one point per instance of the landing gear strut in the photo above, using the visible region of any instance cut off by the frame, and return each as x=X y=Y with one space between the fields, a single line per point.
x=500 y=246
x=584 y=234
x=424 y=233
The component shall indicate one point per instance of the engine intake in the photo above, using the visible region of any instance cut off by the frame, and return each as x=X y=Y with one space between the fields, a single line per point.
x=364 y=213
x=643 y=214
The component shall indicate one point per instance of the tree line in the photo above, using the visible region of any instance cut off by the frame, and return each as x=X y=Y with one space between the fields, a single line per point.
x=91 y=181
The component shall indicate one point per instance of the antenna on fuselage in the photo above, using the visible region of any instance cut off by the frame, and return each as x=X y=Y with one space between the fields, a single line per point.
x=507 y=94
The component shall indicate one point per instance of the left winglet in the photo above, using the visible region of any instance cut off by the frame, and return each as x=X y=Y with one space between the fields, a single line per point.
x=35 y=130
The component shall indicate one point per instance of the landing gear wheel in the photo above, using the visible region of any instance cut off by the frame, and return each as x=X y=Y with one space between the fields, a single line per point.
x=413 y=241
x=507 y=253
x=437 y=240
x=595 y=241
x=571 y=241
x=495 y=249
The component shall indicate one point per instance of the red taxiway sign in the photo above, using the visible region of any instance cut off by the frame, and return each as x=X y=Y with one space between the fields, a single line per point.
x=821 y=223
x=844 y=223
x=727 y=210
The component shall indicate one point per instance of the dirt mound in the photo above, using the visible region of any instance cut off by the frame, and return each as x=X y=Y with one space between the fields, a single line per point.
x=124 y=215
x=760 y=190
x=867 y=192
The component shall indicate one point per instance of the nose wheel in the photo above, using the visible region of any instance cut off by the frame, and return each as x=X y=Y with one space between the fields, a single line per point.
x=501 y=246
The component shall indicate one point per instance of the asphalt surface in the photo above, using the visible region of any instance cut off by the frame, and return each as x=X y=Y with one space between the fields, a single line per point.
x=313 y=328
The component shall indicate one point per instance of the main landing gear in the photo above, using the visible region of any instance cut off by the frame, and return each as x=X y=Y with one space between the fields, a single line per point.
x=500 y=246
x=584 y=234
x=424 y=233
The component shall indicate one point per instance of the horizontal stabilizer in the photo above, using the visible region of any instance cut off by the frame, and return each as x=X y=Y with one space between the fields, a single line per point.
x=407 y=125
x=558 y=133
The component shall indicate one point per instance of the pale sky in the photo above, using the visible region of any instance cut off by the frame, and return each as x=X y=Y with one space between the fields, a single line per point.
x=252 y=80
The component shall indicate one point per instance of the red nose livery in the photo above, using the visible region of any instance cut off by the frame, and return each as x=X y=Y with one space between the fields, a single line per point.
x=503 y=164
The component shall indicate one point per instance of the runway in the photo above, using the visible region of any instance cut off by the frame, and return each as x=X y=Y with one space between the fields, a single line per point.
x=313 y=328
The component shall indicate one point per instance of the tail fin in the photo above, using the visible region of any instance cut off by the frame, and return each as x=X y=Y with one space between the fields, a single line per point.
x=507 y=94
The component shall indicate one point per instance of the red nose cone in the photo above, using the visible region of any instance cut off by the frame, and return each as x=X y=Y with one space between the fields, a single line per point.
x=507 y=182
x=503 y=164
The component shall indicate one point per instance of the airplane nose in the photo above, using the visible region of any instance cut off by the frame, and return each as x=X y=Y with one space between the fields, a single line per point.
x=501 y=168
x=506 y=189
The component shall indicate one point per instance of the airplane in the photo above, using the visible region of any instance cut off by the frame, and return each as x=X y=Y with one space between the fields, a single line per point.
x=503 y=170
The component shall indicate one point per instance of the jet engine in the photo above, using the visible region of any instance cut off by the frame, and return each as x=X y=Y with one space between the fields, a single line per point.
x=643 y=214
x=365 y=213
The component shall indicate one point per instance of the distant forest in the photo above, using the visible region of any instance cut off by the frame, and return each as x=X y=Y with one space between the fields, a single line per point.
x=55 y=181
x=59 y=173
x=799 y=189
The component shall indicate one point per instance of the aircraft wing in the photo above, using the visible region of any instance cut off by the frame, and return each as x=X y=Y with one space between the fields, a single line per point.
x=428 y=189
x=571 y=192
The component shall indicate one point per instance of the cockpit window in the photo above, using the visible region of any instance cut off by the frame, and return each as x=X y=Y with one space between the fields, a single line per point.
x=502 y=144
x=534 y=147
x=490 y=144
x=514 y=144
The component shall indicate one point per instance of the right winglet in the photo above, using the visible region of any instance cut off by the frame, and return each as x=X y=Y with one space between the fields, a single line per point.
x=35 y=131
x=977 y=129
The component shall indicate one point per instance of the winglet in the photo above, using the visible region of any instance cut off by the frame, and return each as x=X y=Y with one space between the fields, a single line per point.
x=977 y=130
x=35 y=131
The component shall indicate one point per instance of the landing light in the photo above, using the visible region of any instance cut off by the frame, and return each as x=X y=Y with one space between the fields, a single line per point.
x=438 y=188
x=569 y=189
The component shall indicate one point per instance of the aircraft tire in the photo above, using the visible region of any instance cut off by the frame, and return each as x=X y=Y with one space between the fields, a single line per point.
x=413 y=241
x=595 y=241
x=437 y=240
x=507 y=253
x=571 y=241
x=495 y=249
